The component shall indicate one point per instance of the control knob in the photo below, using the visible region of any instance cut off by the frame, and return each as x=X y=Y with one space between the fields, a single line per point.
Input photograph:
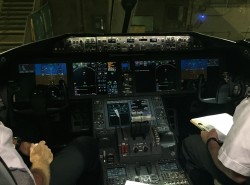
x=135 y=149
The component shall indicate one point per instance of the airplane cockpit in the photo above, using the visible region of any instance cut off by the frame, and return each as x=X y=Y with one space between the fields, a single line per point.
x=134 y=93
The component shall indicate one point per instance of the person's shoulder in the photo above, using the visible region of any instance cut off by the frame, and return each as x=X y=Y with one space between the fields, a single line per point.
x=22 y=176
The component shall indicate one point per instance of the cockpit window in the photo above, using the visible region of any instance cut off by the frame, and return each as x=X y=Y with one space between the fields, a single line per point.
x=29 y=21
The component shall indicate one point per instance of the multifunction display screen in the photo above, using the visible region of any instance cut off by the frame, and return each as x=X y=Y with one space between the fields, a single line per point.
x=125 y=112
x=155 y=76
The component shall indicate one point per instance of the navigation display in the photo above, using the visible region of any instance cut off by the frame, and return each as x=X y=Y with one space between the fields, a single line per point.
x=84 y=78
x=155 y=76
x=95 y=78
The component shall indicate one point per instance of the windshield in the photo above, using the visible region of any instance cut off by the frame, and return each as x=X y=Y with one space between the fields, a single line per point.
x=27 y=21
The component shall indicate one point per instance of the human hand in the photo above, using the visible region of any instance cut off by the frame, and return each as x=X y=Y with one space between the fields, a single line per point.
x=40 y=155
x=205 y=135
x=25 y=148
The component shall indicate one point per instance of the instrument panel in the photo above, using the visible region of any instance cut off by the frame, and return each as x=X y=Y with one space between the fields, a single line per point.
x=112 y=86
x=114 y=78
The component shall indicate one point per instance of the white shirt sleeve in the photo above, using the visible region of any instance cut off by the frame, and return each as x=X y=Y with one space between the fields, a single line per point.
x=235 y=151
x=8 y=153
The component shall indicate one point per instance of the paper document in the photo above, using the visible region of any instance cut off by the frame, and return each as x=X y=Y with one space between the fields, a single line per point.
x=222 y=123
x=134 y=183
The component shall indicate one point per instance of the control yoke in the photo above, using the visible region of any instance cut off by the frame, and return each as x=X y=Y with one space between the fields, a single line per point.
x=226 y=92
x=222 y=95
x=42 y=96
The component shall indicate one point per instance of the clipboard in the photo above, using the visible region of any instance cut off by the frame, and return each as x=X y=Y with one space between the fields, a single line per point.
x=222 y=123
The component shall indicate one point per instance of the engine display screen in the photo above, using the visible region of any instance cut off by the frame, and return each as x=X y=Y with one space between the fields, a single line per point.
x=124 y=77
